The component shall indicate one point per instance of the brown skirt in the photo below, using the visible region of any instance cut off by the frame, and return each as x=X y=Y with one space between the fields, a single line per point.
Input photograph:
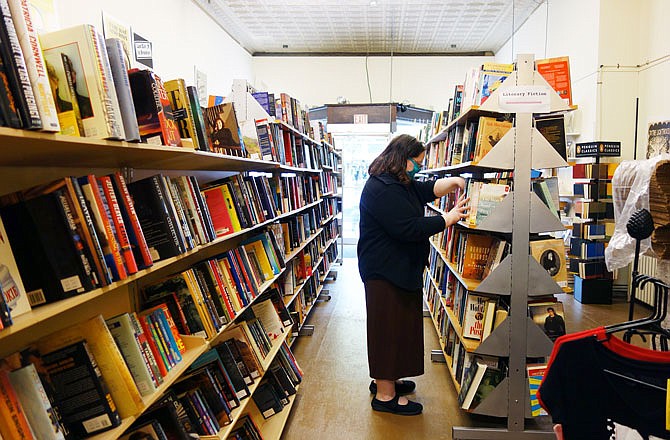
x=395 y=330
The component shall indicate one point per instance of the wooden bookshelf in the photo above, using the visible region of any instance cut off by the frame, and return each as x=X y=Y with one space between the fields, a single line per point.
x=195 y=346
x=289 y=168
x=236 y=413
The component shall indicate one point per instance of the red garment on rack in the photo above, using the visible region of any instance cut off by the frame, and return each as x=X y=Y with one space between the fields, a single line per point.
x=584 y=391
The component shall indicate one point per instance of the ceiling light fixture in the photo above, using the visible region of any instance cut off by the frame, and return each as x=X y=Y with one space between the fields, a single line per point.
x=373 y=3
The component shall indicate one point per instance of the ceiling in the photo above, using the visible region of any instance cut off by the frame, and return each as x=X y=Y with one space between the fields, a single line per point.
x=369 y=26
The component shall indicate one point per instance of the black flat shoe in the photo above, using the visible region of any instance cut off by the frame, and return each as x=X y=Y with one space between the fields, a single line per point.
x=406 y=387
x=393 y=407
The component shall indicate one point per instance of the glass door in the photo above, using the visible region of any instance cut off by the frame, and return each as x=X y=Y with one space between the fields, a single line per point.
x=358 y=151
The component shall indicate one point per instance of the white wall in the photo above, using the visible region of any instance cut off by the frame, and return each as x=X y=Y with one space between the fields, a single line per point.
x=570 y=28
x=426 y=82
x=183 y=36
x=654 y=90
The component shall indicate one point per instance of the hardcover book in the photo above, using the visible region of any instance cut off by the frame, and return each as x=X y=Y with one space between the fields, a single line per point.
x=557 y=73
x=81 y=391
x=549 y=316
x=34 y=60
x=181 y=110
x=153 y=110
x=92 y=78
x=223 y=129
x=158 y=222
x=109 y=359
x=490 y=131
x=35 y=402
x=119 y=68
x=13 y=421
x=17 y=71
x=473 y=316
x=551 y=256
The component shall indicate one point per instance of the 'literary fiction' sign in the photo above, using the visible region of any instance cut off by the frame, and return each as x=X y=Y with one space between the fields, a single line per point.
x=525 y=99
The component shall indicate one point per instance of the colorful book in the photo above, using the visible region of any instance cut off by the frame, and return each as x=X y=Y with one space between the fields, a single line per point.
x=93 y=82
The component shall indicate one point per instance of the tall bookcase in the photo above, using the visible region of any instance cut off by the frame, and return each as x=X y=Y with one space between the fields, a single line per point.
x=518 y=277
x=32 y=158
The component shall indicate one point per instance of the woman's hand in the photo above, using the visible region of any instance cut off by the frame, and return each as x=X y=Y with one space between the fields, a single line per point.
x=457 y=213
x=447 y=185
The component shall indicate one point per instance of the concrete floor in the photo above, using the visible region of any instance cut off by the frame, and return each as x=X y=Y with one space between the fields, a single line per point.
x=334 y=401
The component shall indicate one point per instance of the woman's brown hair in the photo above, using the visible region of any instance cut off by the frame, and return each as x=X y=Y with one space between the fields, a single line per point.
x=393 y=159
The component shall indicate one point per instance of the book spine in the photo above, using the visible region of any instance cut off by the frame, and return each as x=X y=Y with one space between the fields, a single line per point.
x=117 y=265
x=24 y=95
x=179 y=343
x=89 y=279
x=154 y=342
x=215 y=270
x=207 y=218
x=160 y=319
x=148 y=346
x=145 y=350
x=36 y=404
x=135 y=234
x=191 y=208
x=119 y=71
x=177 y=206
x=198 y=118
x=124 y=336
x=165 y=117
x=8 y=105
x=104 y=275
x=13 y=422
x=181 y=110
x=107 y=92
x=34 y=61
x=119 y=225
x=169 y=219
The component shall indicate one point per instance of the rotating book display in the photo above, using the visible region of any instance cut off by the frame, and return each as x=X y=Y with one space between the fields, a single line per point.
x=482 y=273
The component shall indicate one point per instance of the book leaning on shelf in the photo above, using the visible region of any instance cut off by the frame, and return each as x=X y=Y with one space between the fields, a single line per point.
x=34 y=60
x=18 y=104
x=95 y=92
x=152 y=108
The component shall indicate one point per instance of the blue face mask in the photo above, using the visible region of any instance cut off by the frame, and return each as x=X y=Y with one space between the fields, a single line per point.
x=414 y=170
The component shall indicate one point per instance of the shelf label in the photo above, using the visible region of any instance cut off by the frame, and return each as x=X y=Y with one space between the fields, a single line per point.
x=525 y=99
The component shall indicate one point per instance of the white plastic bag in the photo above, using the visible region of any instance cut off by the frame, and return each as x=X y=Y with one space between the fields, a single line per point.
x=630 y=191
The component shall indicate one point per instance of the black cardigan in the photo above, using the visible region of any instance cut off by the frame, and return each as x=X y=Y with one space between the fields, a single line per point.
x=394 y=232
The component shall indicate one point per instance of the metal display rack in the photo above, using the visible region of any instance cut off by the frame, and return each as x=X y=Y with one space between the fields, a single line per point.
x=519 y=276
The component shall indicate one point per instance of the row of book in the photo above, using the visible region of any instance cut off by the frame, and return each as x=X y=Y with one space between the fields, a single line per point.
x=278 y=144
x=77 y=234
x=86 y=378
x=481 y=82
x=75 y=82
x=286 y=109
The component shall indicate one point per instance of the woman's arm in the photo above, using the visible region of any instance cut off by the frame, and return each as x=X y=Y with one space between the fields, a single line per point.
x=447 y=185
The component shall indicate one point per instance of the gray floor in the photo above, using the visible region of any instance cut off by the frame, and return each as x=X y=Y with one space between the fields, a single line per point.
x=334 y=402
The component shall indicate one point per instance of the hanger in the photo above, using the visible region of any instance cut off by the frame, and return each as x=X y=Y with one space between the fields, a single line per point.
x=651 y=325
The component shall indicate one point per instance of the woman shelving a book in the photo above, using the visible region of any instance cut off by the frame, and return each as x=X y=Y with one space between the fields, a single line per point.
x=393 y=250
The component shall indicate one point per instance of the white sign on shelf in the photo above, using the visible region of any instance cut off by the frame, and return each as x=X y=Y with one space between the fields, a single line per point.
x=525 y=99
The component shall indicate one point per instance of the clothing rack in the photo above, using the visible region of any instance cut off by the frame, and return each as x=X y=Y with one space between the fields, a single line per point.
x=519 y=276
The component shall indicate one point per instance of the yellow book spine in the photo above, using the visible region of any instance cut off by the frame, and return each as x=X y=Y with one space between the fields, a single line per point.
x=199 y=301
x=235 y=220
x=263 y=260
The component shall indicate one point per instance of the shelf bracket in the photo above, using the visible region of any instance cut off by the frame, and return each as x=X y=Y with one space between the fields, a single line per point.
x=306 y=330
x=437 y=356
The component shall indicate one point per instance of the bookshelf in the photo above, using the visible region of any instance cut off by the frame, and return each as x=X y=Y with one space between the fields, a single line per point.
x=37 y=158
x=517 y=276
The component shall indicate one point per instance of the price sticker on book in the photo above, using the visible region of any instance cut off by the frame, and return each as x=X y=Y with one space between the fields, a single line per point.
x=525 y=99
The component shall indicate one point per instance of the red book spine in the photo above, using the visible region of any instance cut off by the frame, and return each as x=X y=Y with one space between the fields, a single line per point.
x=127 y=203
x=165 y=116
x=247 y=276
x=287 y=147
x=218 y=210
x=119 y=268
x=214 y=267
x=119 y=225
x=153 y=345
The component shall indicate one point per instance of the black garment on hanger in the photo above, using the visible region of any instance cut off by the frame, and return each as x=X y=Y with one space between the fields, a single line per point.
x=590 y=390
